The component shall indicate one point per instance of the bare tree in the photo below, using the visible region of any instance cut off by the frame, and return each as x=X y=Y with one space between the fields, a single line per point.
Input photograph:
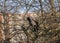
x=34 y=30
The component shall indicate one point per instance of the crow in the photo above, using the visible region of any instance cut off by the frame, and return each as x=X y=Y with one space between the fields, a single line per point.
x=36 y=26
x=29 y=20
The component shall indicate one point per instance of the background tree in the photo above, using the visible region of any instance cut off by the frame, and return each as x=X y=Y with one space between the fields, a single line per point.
x=42 y=29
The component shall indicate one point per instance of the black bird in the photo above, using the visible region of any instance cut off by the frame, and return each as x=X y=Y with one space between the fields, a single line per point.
x=29 y=20
x=36 y=26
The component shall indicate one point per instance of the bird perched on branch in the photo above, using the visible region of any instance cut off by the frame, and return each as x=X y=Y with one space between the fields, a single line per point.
x=29 y=20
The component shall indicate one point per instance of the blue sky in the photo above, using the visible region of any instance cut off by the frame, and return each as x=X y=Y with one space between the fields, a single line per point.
x=22 y=9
